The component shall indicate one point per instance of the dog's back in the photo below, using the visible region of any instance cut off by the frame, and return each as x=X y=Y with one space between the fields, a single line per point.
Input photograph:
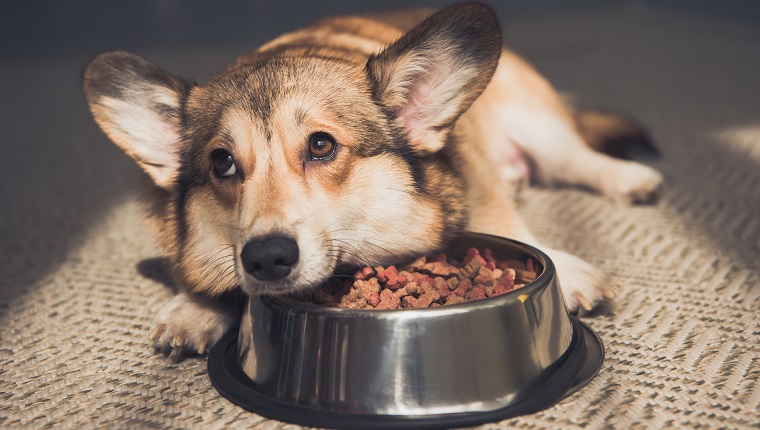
x=352 y=38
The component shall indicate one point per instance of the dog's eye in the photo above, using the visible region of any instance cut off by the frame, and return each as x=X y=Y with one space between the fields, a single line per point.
x=224 y=165
x=322 y=146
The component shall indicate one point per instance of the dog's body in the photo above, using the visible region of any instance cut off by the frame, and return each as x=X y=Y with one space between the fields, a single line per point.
x=355 y=140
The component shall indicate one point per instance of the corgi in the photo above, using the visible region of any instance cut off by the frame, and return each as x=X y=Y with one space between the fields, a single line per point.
x=366 y=139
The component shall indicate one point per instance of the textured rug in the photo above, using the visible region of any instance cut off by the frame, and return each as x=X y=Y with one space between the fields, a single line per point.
x=682 y=340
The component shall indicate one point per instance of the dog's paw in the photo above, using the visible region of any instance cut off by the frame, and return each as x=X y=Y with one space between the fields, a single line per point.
x=634 y=183
x=583 y=285
x=192 y=324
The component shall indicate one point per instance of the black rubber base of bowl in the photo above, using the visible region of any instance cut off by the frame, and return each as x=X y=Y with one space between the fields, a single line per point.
x=573 y=370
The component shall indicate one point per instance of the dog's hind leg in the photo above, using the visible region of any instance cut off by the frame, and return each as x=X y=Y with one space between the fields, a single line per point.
x=560 y=155
x=521 y=109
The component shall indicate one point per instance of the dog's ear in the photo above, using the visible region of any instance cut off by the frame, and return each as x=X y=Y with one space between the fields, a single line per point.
x=433 y=73
x=138 y=106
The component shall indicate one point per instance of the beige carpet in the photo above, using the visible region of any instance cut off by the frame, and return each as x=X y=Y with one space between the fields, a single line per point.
x=683 y=343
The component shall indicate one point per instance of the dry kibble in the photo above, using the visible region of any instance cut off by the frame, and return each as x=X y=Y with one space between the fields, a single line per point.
x=510 y=273
x=454 y=299
x=374 y=300
x=489 y=289
x=409 y=277
x=388 y=300
x=464 y=286
x=437 y=268
x=443 y=288
x=479 y=279
x=412 y=288
x=525 y=276
x=364 y=273
x=422 y=278
x=415 y=265
x=471 y=269
x=477 y=293
x=430 y=281
x=505 y=285
x=368 y=287
x=425 y=300
x=408 y=302
x=353 y=300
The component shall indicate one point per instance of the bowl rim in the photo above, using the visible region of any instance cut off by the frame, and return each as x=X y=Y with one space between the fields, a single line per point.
x=540 y=283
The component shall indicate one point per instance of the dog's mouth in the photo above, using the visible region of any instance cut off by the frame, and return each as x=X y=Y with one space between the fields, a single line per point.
x=257 y=287
x=302 y=280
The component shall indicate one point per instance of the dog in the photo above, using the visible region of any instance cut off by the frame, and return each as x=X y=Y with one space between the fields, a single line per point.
x=366 y=139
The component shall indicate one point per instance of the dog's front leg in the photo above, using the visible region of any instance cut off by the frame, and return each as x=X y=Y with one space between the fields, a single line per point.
x=192 y=323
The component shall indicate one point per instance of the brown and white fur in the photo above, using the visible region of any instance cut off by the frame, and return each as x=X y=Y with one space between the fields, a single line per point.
x=432 y=121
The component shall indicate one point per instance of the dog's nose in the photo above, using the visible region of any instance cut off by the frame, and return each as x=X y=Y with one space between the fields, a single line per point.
x=270 y=258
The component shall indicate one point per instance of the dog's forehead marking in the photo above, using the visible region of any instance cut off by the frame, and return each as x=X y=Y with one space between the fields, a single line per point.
x=270 y=161
x=249 y=138
x=263 y=144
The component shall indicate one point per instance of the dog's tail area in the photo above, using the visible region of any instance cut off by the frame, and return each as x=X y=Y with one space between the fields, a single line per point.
x=614 y=134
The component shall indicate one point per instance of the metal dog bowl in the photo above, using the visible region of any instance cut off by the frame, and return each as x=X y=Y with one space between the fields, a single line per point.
x=450 y=366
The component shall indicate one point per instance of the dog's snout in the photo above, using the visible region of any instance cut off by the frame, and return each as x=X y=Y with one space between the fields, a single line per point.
x=270 y=258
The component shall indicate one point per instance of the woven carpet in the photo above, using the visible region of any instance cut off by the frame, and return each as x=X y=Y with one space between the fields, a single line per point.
x=81 y=276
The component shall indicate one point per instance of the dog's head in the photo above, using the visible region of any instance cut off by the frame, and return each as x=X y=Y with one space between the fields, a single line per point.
x=281 y=170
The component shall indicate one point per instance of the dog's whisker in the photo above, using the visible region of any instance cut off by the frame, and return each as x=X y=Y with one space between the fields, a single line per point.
x=210 y=271
x=230 y=271
x=214 y=255
x=338 y=219
x=371 y=240
x=232 y=227
x=300 y=220
x=370 y=243
x=360 y=230
x=357 y=253
x=397 y=189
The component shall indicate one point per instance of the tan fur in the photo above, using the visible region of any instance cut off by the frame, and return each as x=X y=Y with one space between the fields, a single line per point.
x=424 y=126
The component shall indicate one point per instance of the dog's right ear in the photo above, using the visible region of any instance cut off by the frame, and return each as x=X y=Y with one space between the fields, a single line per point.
x=138 y=106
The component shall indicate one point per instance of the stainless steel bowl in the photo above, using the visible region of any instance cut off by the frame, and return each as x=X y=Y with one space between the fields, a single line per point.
x=411 y=365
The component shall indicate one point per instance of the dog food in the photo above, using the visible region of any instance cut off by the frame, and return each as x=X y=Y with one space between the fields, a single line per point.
x=428 y=282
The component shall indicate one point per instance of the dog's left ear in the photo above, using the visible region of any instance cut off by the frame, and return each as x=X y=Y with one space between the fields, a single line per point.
x=430 y=76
